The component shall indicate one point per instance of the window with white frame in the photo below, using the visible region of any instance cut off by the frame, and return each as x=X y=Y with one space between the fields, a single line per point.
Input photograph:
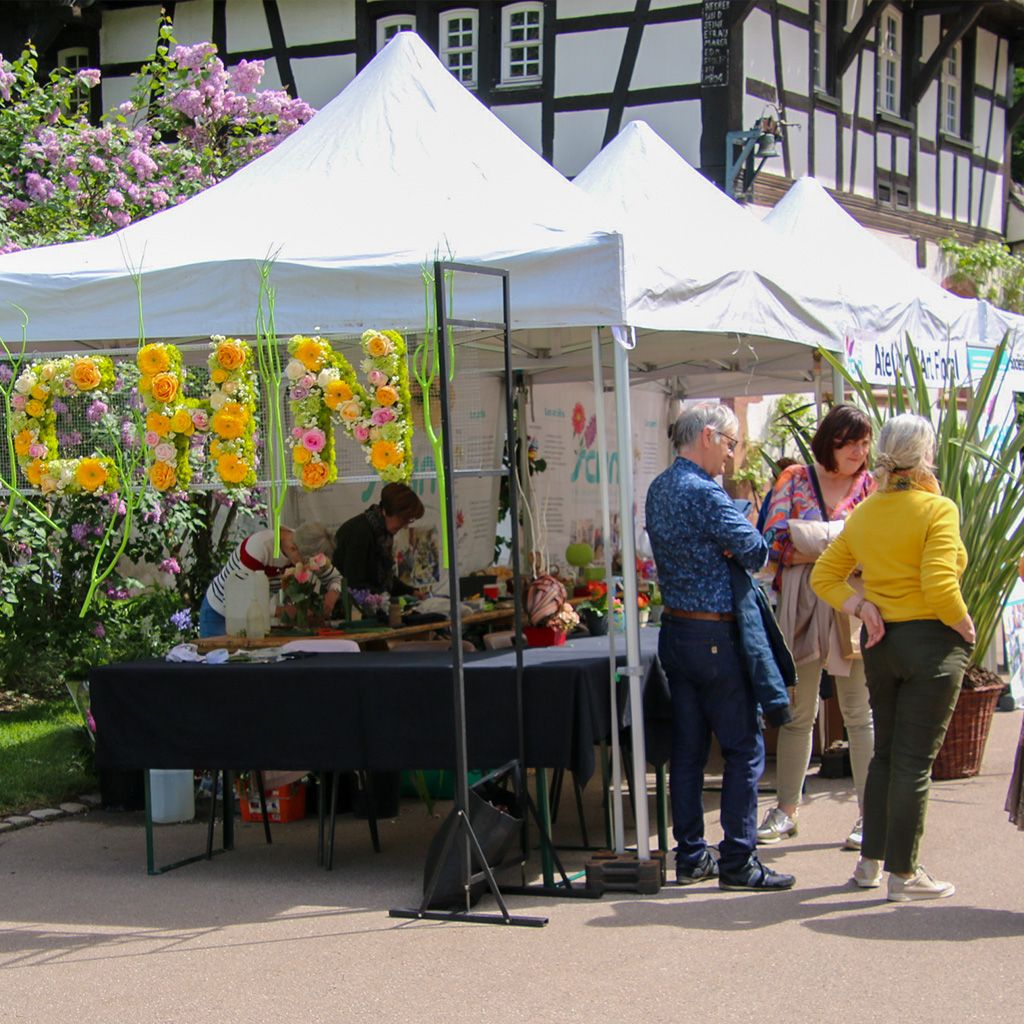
x=950 y=85
x=388 y=28
x=890 y=45
x=459 y=45
x=818 y=12
x=521 y=29
x=74 y=58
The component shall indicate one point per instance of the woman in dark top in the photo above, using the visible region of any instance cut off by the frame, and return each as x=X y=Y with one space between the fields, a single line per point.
x=363 y=551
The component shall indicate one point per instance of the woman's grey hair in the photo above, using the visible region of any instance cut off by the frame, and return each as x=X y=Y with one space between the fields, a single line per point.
x=313 y=539
x=687 y=428
x=906 y=444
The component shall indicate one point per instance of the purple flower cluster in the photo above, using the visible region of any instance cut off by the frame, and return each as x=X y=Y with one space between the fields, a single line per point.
x=170 y=565
x=182 y=620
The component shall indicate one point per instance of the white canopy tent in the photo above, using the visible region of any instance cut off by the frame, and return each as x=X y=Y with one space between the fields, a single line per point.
x=891 y=298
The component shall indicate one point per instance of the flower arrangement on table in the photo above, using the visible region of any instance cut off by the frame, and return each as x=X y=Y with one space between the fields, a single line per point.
x=370 y=602
x=597 y=598
x=169 y=416
x=34 y=403
x=323 y=388
x=232 y=398
x=300 y=587
x=548 y=609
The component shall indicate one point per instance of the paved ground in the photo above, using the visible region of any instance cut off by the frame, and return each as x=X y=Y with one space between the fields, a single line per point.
x=264 y=935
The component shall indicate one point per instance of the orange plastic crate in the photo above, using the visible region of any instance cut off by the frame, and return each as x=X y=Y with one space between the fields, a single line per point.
x=288 y=803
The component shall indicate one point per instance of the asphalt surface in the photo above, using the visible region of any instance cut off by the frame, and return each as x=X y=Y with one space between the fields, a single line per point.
x=264 y=935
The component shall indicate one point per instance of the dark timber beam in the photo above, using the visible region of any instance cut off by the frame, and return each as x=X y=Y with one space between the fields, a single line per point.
x=966 y=20
x=868 y=20
x=738 y=12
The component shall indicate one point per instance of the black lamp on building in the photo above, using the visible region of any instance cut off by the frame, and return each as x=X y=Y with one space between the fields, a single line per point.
x=746 y=152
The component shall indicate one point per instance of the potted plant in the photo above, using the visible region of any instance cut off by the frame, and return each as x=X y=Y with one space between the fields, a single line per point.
x=977 y=462
x=593 y=611
x=550 y=615
x=643 y=603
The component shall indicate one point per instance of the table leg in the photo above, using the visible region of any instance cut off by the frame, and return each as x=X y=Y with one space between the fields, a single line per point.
x=150 y=860
x=229 y=809
x=544 y=813
x=661 y=797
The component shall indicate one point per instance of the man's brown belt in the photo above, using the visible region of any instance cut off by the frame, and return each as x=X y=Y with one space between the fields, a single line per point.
x=678 y=613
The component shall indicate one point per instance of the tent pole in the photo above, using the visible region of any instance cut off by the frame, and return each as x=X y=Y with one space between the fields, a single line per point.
x=615 y=802
x=631 y=611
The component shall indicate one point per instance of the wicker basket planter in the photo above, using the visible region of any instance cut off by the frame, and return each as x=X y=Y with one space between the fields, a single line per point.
x=961 y=751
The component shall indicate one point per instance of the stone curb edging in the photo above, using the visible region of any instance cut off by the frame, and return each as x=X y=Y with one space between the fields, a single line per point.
x=85 y=802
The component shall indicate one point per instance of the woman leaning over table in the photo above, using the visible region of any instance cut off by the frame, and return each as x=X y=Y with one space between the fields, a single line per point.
x=840 y=446
x=918 y=638
x=256 y=554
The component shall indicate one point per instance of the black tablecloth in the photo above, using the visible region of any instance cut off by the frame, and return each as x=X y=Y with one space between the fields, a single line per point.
x=378 y=710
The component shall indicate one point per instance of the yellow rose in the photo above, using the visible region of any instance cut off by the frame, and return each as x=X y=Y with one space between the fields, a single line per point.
x=310 y=354
x=158 y=423
x=232 y=469
x=181 y=422
x=84 y=375
x=47 y=483
x=162 y=476
x=165 y=387
x=300 y=455
x=377 y=346
x=40 y=391
x=24 y=440
x=90 y=474
x=386 y=395
x=34 y=408
x=314 y=474
x=350 y=411
x=152 y=359
x=228 y=426
x=230 y=355
x=34 y=471
x=218 y=376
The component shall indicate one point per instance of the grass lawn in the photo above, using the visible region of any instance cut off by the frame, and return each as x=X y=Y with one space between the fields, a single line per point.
x=45 y=757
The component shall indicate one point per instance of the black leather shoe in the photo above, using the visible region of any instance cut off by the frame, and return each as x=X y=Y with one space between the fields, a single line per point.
x=755 y=876
x=706 y=867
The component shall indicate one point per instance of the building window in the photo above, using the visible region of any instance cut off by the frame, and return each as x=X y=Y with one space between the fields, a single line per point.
x=950 y=85
x=890 y=43
x=818 y=37
x=459 y=45
x=388 y=28
x=74 y=58
x=521 y=27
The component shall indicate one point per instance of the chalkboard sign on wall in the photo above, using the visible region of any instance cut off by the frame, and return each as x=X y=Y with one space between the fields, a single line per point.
x=715 y=43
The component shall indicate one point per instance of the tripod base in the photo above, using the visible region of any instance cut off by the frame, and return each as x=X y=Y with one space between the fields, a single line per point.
x=469 y=918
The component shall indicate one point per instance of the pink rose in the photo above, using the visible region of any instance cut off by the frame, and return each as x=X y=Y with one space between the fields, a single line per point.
x=302 y=575
x=165 y=452
x=382 y=416
x=377 y=377
x=152 y=438
x=200 y=420
x=296 y=432
x=314 y=440
x=18 y=401
x=298 y=393
x=361 y=434
x=36 y=451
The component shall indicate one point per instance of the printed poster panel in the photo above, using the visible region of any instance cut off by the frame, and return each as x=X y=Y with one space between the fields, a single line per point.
x=1013 y=632
x=478 y=424
x=567 y=495
x=879 y=359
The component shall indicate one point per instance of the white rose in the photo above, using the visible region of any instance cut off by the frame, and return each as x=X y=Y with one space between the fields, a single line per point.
x=218 y=399
x=294 y=370
x=229 y=387
x=325 y=378
x=47 y=371
x=25 y=383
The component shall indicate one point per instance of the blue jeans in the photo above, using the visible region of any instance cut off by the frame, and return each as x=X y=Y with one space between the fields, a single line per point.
x=211 y=623
x=711 y=693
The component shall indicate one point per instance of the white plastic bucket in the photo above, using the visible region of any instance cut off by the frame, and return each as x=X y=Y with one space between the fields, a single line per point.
x=172 y=795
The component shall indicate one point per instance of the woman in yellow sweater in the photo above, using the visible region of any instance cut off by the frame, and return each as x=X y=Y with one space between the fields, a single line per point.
x=918 y=638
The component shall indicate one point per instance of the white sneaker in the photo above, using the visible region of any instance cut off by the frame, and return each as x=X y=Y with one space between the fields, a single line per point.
x=777 y=825
x=920 y=886
x=856 y=836
x=868 y=873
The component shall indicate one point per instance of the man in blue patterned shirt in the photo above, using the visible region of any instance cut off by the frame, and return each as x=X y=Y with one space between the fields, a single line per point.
x=694 y=528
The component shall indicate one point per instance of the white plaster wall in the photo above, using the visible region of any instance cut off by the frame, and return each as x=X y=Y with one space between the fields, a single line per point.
x=794 y=44
x=578 y=138
x=115 y=91
x=193 y=22
x=128 y=35
x=271 y=76
x=317 y=21
x=926 y=201
x=797 y=136
x=902 y=155
x=931 y=31
x=524 y=120
x=825 y=169
x=946 y=184
x=319 y=79
x=580 y=8
x=587 y=62
x=247 y=26
x=669 y=55
x=864 y=172
x=801 y=6
x=926 y=114
x=883 y=150
x=963 y=178
x=758 y=60
x=677 y=123
x=988 y=208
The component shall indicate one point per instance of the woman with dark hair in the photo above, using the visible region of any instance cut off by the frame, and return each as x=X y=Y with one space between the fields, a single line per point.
x=364 y=545
x=806 y=509
x=918 y=640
